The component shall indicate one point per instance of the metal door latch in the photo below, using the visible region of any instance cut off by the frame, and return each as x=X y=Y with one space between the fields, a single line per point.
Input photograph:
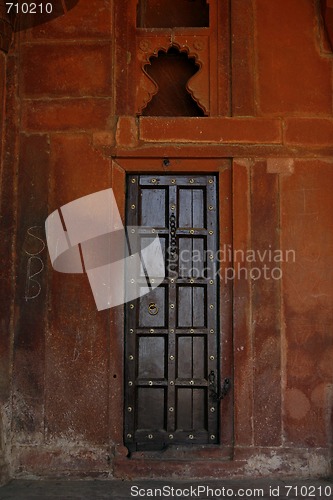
x=213 y=390
x=152 y=309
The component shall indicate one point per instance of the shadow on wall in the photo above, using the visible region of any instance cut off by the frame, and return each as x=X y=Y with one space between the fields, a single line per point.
x=4 y=471
x=327 y=13
x=14 y=18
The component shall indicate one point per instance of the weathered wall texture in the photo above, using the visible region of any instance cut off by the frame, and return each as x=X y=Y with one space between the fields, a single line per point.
x=60 y=385
x=7 y=232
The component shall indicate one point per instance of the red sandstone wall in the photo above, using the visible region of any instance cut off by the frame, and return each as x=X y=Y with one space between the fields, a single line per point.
x=307 y=207
x=4 y=366
x=8 y=120
x=61 y=362
x=60 y=129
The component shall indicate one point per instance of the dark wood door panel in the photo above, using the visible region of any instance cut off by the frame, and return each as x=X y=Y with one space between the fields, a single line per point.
x=153 y=207
x=159 y=319
x=151 y=358
x=171 y=346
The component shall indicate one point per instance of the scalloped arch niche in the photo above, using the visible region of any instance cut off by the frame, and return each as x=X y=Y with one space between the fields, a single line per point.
x=174 y=44
x=172 y=72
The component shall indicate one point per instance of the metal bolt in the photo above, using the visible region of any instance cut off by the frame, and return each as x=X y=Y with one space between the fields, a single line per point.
x=172 y=280
x=172 y=330
x=129 y=409
x=153 y=181
x=130 y=383
x=191 y=331
x=150 y=436
x=212 y=436
x=212 y=331
x=132 y=280
x=131 y=330
x=172 y=358
x=172 y=306
x=211 y=358
x=151 y=330
x=211 y=232
x=211 y=257
x=211 y=306
x=211 y=282
x=132 y=231
x=129 y=436
x=133 y=181
x=132 y=306
x=210 y=181
x=133 y=207
x=212 y=409
x=173 y=207
x=170 y=436
x=192 y=231
x=210 y=207
x=191 y=436
x=153 y=231
x=172 y=382
x=150 y=382
x=131 y=357
x=173 y=181
x=191 y=181
x=191 y=280
x=192 y=382
x=171 y=409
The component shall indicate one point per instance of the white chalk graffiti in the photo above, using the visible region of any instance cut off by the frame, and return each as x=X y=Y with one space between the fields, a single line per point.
x=35 y=266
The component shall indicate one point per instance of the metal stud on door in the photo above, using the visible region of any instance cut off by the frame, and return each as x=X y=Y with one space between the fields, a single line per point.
x=171 y=332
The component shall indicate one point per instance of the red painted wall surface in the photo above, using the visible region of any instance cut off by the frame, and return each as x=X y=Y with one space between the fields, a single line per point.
x=60 y=373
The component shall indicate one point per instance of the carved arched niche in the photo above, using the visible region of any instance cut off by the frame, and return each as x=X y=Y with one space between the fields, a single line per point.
x=147 y=29
x=168 y=78
x=171 y=72
x=173 y=37
x=170 y=13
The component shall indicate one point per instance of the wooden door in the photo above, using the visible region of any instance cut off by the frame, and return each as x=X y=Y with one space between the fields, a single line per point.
x=171 y=347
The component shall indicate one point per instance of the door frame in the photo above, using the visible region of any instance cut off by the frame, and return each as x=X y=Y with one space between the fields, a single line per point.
x=121 y=167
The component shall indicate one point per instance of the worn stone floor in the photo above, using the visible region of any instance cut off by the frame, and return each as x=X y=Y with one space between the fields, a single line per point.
x=145 y=489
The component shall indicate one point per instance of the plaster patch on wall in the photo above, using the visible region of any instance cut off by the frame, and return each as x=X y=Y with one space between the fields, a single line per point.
x=309 y=464
x=25 y=422
x=283 y=166
x=319 y=395
x=263 y=465
x=318 y=465
x=297 y=404
x=244 y=162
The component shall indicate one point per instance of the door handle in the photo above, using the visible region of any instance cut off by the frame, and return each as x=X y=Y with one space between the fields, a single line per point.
x=152 y=309
x=214 y=393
